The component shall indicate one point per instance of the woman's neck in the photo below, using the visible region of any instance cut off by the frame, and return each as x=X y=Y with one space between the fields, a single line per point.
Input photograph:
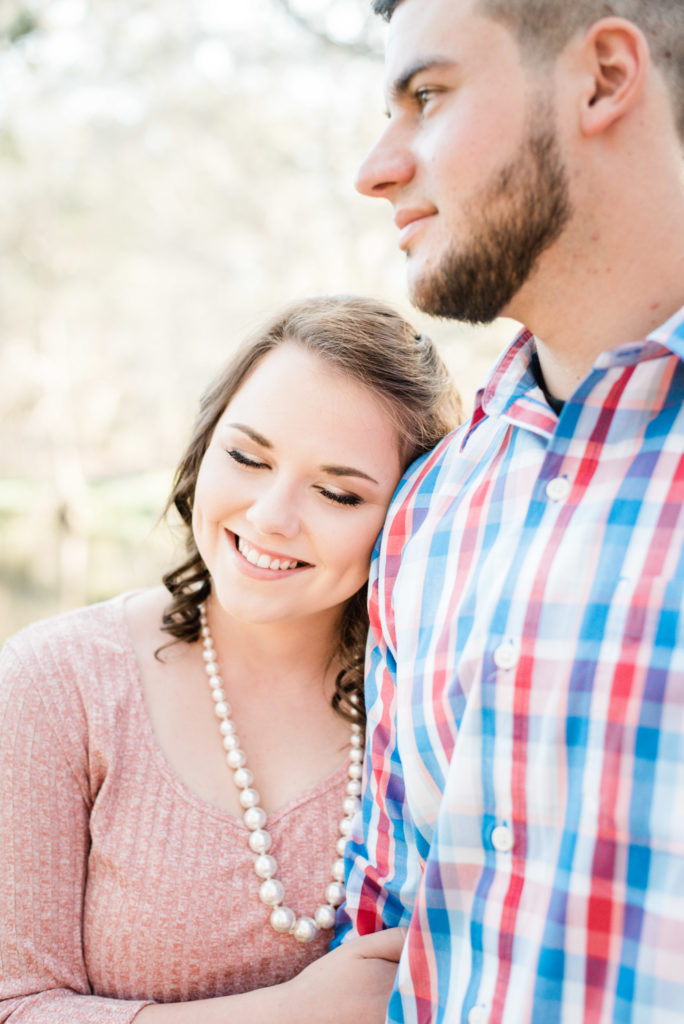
x=301 y=652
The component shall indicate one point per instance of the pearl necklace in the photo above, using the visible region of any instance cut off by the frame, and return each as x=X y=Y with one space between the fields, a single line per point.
x=271 y=892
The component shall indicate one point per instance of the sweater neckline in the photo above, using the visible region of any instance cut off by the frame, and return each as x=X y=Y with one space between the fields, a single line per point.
x=276 y=819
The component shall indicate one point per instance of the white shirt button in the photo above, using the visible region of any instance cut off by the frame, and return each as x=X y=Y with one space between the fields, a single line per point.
x=558 y=489
x=478 y=1015
x=502 y=839
x=507 y=654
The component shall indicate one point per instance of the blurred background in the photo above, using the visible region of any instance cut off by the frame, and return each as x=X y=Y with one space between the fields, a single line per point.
x=170 y=174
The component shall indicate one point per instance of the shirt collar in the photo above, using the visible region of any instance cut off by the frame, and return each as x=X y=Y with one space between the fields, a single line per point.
x=511 y=391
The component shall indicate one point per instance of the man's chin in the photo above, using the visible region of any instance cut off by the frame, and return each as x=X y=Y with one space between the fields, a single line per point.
x=460 y=291
x=426 y=291
x=431 y=294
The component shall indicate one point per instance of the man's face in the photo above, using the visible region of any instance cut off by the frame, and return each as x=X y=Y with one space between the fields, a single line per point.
x=469 y=160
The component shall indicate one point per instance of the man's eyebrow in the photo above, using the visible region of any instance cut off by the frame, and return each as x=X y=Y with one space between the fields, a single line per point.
x=253 y=434
x=401 y=85
x=348 y=471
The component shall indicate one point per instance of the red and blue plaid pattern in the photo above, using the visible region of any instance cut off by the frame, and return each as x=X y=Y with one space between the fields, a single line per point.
x=524 y=797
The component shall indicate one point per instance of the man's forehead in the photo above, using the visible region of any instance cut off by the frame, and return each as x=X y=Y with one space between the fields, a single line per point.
x=425 y=28
x=425 y=34
x=425 y=16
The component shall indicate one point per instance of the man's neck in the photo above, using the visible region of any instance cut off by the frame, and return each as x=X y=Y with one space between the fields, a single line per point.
x=601 y=299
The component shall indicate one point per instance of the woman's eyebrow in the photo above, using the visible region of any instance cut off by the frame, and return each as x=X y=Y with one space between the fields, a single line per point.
x=348 y=471
x=253 y=434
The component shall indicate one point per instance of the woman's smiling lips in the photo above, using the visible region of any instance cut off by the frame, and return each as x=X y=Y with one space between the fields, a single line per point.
x=256 y=561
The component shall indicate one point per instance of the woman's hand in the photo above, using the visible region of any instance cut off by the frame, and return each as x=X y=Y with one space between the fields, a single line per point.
x=353 y=983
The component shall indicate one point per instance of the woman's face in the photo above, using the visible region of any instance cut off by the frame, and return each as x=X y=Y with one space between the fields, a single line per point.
x=293 y=490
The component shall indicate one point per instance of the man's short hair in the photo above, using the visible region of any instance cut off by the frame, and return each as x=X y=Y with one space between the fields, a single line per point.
x=544 y=27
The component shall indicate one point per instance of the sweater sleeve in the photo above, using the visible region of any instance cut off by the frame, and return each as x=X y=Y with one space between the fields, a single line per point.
x=45 y=800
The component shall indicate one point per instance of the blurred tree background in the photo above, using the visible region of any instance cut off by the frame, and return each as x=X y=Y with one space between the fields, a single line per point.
x=170 y=174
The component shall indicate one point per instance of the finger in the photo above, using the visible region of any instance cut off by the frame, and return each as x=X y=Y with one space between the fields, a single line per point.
x=384 y=945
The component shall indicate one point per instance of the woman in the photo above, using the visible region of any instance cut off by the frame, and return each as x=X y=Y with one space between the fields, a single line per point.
x=178 y=775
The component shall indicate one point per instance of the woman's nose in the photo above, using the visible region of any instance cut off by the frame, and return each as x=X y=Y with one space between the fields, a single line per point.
x=274 y=512
x=388 y=166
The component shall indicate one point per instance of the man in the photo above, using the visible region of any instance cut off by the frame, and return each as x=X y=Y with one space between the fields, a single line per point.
x=524 y=802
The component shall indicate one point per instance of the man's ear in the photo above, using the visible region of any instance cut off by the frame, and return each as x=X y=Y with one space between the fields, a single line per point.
x=617 y=61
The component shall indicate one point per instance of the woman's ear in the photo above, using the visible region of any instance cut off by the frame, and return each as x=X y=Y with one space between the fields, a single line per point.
x=617 y=59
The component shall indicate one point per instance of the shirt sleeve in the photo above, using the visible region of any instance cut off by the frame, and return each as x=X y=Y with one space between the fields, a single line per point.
x=45 y=804
x=381 y=860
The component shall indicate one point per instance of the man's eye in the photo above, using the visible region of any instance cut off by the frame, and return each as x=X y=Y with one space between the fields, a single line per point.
x=424 y=95
x=244 y=460
x=340 y=499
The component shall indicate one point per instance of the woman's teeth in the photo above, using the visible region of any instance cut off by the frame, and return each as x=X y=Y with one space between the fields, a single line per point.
x=261 y=560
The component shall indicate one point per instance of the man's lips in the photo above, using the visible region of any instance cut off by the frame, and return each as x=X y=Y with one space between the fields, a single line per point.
x=410 y=221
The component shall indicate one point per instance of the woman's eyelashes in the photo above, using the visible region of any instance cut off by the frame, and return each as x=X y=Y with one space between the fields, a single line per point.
x=244 y=460
x=340 y=499
x=337 y=497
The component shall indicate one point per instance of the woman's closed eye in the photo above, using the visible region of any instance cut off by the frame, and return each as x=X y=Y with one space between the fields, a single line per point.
x=341 y=497
x=245 y=460
x=336 y=497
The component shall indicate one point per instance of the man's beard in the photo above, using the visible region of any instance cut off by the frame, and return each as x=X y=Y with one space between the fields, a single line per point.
x=518 y=215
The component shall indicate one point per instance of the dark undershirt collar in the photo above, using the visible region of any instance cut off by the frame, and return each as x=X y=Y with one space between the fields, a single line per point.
x=535 y=366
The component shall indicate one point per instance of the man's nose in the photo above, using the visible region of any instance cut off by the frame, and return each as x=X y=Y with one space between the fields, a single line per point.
x=388 y=166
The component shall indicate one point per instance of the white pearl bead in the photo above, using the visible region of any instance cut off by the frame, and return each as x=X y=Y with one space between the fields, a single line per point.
x=249 y=798
x=259 y=841
x=325 y=916
x=334 y=893
x=242 y=777
x=271 y=892
x=255 y=818
x=265 y=866
x=305 y=929
x=236 y=758
x=350 y=805
x=282 y=919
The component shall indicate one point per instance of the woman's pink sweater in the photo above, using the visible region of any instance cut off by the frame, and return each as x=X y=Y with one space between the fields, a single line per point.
x=118 y=885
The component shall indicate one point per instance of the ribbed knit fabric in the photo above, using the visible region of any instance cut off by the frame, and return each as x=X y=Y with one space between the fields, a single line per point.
x=120 y=886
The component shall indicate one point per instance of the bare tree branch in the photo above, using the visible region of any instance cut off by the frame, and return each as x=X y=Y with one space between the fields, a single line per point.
x=358 y=46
